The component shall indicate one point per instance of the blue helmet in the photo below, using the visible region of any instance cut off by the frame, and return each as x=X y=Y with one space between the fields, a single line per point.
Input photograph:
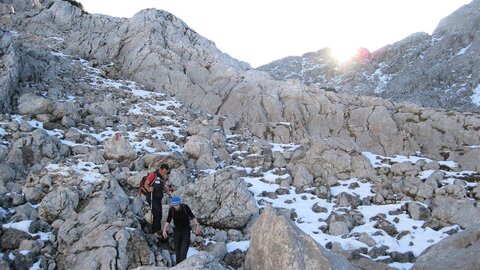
x=176 y=200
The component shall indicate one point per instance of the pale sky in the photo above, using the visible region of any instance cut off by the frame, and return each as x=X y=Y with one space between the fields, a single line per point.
x=261 y=31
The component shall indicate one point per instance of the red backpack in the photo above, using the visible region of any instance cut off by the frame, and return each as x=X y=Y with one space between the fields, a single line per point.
x=141 y=186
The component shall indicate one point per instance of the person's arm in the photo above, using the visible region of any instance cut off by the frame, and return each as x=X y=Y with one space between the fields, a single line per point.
x=150 y=178
x=165 y=227
x=167 y=223
x=197 y=229
x=168 y=187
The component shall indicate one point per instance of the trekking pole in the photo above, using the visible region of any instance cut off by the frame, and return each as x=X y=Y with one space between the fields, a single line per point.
x=151 y=212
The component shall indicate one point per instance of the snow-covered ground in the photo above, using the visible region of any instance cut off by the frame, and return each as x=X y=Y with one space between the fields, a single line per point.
x=416 y=241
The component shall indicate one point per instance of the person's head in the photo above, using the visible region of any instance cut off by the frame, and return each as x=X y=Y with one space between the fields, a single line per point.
x=175 y=202
x=164 y=169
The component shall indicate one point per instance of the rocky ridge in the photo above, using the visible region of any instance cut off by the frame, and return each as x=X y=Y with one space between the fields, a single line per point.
x=437 y=71
x=76 y=138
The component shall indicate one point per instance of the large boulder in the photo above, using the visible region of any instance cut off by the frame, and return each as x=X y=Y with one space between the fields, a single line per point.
x=469 y=158
x=58 y=17
x=221 y=200
x=277 y=243
x=100 y=235
x=107 y=245
x=31 y=104
x=37 y=147
x=337 y=157
x=201 y=261
x=197 y=146
x=118 y=148
x=58 y=204
x=461 y=212
x=6 y=173
x=11 y=238
x=459 y=251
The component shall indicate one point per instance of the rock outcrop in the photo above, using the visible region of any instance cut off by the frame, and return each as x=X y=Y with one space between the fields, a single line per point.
x=9 y=70
x=288 y=247
x=459 y=251
x=221 y=200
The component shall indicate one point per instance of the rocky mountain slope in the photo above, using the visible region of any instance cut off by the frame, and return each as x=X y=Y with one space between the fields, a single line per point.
x=90 y=103
x=438 y=71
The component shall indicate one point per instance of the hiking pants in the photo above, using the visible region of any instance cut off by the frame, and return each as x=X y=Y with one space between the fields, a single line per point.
x=181 y=241
x=156 y=205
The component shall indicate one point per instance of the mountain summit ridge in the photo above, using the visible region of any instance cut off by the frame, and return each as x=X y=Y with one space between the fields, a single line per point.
x=437 y=71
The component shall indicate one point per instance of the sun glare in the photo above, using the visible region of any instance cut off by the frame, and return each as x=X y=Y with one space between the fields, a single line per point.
x=344 y=53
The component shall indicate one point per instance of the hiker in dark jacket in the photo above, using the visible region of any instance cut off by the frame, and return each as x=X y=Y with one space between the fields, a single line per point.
x=155 y=186
x=181 y=215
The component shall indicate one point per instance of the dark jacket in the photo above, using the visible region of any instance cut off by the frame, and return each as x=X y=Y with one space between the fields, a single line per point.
x=181 y=217
x=158 y=183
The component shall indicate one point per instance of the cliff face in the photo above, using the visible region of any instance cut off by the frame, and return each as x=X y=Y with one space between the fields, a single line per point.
x=439 y=70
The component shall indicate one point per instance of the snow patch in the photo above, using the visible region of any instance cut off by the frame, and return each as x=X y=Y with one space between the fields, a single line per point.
x=363 y=190
x=277 y=147
x=476 y=96
x=241 y=245
x=463 y=50
x=382 y=78
x=23 y=226
x=378 y=161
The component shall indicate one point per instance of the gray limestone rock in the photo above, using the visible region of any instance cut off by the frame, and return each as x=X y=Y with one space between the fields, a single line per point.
x=278 y=244
x=461 y=212
x=345 y=199
x=418 y=211
x=31 y=104
x=302 y=177
x=7 y=173
x=60 y=203
x=228 y=205
x=201 y=261
x=196 y=146
x=119 y=148
x=459 y=251
x=367 y=239
x=9 y=71
x=11 y=238
x=218 y=250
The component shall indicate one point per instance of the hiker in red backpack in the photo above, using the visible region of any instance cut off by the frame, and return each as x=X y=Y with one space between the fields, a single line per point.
x=181 y=215
x=155 y=185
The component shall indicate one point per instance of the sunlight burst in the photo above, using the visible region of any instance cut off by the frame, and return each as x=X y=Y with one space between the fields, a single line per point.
x=344 y=53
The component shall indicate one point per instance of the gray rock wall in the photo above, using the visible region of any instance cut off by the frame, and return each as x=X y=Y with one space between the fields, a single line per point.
x=9 y=70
